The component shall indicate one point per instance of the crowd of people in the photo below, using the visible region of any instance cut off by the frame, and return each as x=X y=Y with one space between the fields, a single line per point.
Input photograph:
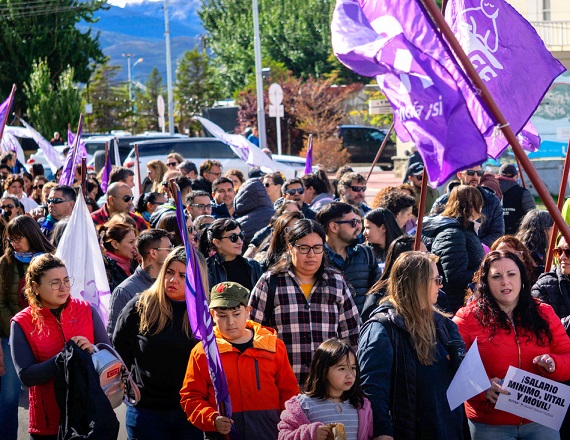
x=324 y=314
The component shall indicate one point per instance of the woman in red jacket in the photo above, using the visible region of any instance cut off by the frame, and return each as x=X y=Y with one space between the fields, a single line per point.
x=511 y=329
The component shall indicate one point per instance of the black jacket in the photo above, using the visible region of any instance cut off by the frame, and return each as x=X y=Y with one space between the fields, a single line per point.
x=115 y=274
x=459 y=251
x=554 y=288
x=217 y=273
x=252 y=208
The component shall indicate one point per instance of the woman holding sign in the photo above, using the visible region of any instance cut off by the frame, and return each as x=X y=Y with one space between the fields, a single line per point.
x=512 y=329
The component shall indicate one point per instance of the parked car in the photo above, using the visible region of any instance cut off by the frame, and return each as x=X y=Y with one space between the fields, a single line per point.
x=363 y=142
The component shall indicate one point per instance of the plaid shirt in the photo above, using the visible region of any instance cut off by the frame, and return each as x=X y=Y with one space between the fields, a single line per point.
x=303 y=324
x=101 y=216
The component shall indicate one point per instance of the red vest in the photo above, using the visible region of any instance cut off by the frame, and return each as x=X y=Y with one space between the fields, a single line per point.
x=75 y=320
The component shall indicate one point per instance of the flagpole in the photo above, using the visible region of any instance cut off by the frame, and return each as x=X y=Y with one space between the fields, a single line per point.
x=560 y=204
x=84 y=176
x=76 y=142
x=421 y=211
x=3 y=123
x=521 y=173
x=106 y=154
x=384 y=142
x=138 y=165
x=437 y=17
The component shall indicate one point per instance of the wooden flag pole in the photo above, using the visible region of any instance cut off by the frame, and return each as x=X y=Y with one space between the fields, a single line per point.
x=478 y=83
x=560 y=204
x=3 y=123
x=384 y=142
x=84 y=176
x=521 y=173
x=138 y=165
x=106 y=154
x=421 y=208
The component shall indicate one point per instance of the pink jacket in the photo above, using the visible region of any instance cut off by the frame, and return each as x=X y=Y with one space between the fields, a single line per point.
x=295 y=425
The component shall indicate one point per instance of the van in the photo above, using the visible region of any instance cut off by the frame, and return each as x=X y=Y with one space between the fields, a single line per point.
x=363 y=142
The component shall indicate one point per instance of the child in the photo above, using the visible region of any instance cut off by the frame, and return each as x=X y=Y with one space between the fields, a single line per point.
x=260 y=378
x=333 y=397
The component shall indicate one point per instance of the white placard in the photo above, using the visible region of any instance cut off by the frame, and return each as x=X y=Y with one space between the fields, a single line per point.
x=534 y=398
x=276 y=111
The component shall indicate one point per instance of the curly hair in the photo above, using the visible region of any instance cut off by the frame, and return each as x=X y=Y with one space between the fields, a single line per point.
x=526 y=317
x=11 y=179
x=533 y=232
x=397 y=201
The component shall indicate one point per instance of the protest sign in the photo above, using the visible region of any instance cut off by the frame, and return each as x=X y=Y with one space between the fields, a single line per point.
x=534 y=398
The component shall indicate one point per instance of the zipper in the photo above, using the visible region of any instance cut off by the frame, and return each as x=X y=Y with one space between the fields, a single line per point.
x=257 y=374
x=519 y=351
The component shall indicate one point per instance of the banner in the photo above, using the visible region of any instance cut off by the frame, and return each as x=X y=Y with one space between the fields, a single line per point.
x=53 y=158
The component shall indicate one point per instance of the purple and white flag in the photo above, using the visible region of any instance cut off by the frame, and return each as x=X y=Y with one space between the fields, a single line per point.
x=200 y=318
x=434 y=105
x=53 y=158
x=529 y=138
x=73 y=156
x=508 y=55
x=81 y=149
x=5 y=110
x=309 y=158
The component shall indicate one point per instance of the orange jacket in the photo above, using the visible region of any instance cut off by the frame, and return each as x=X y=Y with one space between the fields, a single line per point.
x=260 y=381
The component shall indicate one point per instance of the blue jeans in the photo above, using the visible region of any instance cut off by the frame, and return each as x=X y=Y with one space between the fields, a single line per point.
x=529 y=431
x=9 y=396
x=150 y=424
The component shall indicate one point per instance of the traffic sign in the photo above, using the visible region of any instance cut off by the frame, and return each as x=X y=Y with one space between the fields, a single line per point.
x=379 y=107
x=275 y=94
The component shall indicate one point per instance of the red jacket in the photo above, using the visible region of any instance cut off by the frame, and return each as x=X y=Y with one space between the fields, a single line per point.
x=260 y=381
x=75 y=320
x=502 y=351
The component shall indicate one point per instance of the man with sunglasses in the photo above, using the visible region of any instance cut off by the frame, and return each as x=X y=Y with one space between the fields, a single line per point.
x=119 y=200
x=356 y=261
x=493 y=224
x=351 y=189
x=60 y=203
x=415 y=175
x=293 y=189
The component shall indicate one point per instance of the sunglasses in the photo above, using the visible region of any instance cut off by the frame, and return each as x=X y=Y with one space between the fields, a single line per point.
x=267 y=185
x=418 y=176
x=191 y=229
x=172 y=164
x=37 y=187
x=8 y=206
x=56 y=201
x=127 y=199
x=353 y=223
x=559 y=251
x=235 y=237
x=357 y=188
x=479 y=173
x=292 y=192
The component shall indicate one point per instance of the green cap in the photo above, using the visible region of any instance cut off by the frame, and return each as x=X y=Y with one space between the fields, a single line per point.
x=228 y=294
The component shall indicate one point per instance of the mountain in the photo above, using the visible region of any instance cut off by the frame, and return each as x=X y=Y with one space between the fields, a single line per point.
x=138 y=29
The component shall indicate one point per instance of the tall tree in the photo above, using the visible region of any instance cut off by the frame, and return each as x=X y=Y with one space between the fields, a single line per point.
x=195 y=86
x=46 y=29
x=146 y=102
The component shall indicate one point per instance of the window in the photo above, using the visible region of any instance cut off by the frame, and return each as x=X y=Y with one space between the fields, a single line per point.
x=545 y=10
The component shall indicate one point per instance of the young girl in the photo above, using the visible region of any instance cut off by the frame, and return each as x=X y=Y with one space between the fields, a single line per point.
x=333 y=396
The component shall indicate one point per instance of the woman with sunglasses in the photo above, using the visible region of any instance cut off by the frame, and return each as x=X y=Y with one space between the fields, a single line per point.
x=40 y=332
x=303 y=299
x=14 y=185
x=119 y=241
x=227 y=264
x=10 y=208
x=512 y=329
x=23 y=240
x=408 y=352
x=273 y=183
x=155 y=173
x=318 y=189
x=148 y=203
x=39 y=182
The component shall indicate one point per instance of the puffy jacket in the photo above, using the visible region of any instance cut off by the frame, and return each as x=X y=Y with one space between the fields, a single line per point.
x=260 y=381
x=75 y=320
x=553 y=288
x=459 y=251
x=217 y=273
x=252 y=208
x=504 y=349
x=493 y=223
x=295 y=425
x=115 y=274
x=360 y=270
x=517 y=201
x=9 y=304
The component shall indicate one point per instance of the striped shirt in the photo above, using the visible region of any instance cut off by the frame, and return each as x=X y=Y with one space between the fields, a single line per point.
x=325 y=411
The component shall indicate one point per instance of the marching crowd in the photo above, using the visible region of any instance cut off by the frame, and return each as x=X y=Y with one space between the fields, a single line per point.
x=325 y=317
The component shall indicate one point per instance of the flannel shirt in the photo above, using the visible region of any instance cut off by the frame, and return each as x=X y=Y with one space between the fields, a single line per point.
x=101 y=216
x=303 y=324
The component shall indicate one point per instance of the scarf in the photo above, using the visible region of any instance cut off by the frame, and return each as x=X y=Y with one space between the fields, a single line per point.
x=124 y=263
x=26 y=257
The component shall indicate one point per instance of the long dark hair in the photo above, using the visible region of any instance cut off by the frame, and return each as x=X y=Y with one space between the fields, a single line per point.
x=278 y=246
x=217 y=229
x=383 y=216
x=527 y=319
x=403 y=243
x=328 y=354
x=319 y=181
x=533 y=232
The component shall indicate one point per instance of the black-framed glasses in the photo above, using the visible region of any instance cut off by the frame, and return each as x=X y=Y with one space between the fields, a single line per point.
x=357 y=188
x=305 y=248
x=14 y=239
x=171 y=164
x=268 y=184
x=191 y=229
x=438 y=280
x=352 y=222
x=473 y=172
x=40 y=186
x=235 y=237
x=127 y=199
x=292 y=192
x=56 y=201
x=215 y=174
x=58 y=284
x=201 y=206
x=557 y=252
x=8 y=206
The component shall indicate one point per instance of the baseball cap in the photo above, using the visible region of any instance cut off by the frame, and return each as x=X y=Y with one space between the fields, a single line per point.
x=228 y=294
x=508 y=170
x=416 y=169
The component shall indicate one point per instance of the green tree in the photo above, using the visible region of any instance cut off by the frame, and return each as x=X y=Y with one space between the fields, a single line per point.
x=35 y=30
x=146 y=102
x=195 y=86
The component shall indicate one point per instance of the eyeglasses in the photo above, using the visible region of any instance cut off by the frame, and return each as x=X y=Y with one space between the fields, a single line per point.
x=8 y=206
x=171 y=164
x=165 y=248
x=56 y=201
x=215 y=174
x=357 y=188
x=235 y=237
x=15 y=239
x=473 y=172
x=559 y=251
x=268 y=184
x=191 y=230
x=292 y=192
x=57 y=285
x=201 y=206
x=127 y=199
x=438 y=280
x=418 y=176
x=37 y=186
x=352 y=222
x=305 y=248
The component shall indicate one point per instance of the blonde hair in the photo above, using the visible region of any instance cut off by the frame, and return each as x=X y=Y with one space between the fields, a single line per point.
x=159 y=169
x=410 y=297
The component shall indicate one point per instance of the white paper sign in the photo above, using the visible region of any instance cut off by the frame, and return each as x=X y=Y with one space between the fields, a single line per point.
x=535 y=398
x=470 y=379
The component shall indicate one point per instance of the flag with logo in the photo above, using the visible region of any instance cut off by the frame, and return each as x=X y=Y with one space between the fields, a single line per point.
x=509 y=57
x=79 y=249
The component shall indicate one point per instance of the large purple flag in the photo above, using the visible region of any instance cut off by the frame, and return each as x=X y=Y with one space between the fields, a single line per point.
x=68 y=172
x=508 y=55
x=434 y=105
x=200 y=318
x=309 y=158
x=5 y=110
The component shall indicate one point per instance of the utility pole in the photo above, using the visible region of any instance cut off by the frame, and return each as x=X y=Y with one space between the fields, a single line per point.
x=259 y=78
x=168 y=71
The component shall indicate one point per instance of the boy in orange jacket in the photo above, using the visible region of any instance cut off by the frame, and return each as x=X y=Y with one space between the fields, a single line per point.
x=260 y=378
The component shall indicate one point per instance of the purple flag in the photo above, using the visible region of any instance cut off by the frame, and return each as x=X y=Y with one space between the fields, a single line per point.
x=68 y=172
x=106 y=170
x=81 y=149
x=200 y=318
x=5 y=110
x=434 y=105
x=529 y=138
x=309 y=158
x=508 y=55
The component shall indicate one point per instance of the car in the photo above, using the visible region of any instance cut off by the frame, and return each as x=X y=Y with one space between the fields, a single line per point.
x=362 y=143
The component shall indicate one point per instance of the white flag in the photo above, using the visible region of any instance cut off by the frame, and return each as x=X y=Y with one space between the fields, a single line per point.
x=54 y=159
x=79 y=249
